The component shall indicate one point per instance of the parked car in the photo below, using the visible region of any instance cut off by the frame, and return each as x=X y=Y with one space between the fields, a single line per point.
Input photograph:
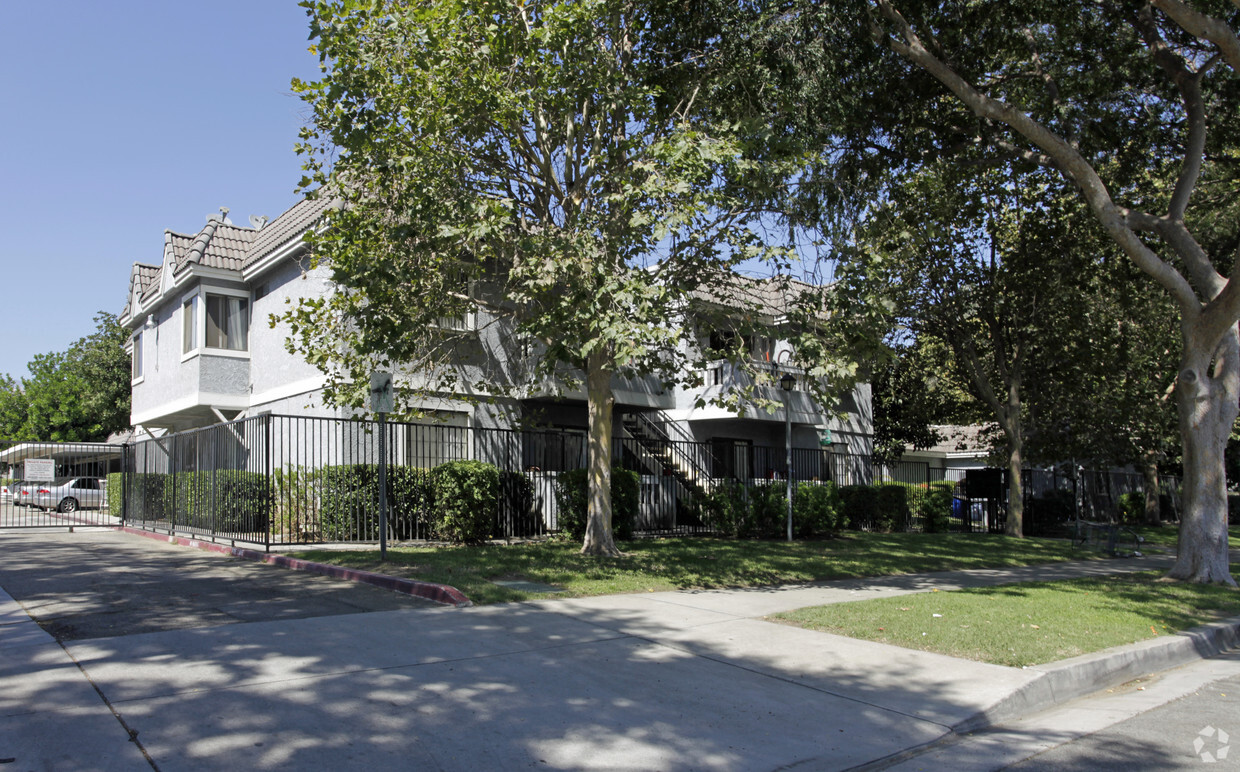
x=8 y=491
x=23 y=493
x=66 y=494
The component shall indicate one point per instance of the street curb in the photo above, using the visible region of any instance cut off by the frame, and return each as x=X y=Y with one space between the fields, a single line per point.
x=439 y=593
x=1068 y=679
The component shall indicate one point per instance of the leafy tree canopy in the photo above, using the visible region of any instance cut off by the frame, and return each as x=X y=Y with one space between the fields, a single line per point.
x=554 y=169
x=80 y=394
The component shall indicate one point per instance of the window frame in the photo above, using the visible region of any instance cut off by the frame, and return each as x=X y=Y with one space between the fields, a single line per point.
x=190 y=339
x=137 y=371
x=199 y=300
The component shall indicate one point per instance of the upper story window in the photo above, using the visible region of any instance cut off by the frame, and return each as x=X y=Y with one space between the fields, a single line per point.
x=228 y=322
x=136 y=357
x=216 y=321
x=723 y=342
x=189 y=324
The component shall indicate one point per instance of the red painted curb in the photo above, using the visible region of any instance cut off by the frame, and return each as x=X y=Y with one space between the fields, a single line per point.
x=439 y=593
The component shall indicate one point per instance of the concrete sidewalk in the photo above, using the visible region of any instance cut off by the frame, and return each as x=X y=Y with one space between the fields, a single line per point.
x=658 y=681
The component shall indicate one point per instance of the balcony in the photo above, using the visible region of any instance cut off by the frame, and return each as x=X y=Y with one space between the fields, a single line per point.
x=722 y=377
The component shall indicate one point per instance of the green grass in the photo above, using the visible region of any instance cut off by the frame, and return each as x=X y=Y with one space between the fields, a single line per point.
x=1028 y=624
x=690 y=563
x=1168 y=534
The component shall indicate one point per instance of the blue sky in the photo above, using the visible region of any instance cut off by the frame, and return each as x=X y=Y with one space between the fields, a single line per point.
x=122 y=119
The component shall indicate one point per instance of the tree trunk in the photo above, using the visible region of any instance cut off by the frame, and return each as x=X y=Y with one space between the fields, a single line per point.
x=1207 y=409
x=600 y=401
x=1014 y=429
x=1149 y=469
x=1016 y=487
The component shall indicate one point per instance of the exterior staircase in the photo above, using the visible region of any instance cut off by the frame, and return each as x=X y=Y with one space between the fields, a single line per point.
x=681 y=459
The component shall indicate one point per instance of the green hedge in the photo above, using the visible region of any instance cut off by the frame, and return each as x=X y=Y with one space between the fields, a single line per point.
x=860 y=507
x=223 y=501
x=349 y=502
x=228 y=500
x=725 y=508
x=466 y=495
x=571 y=502
x=116 y=499
x=935 y=507
x=883 y=507
x=817 y=510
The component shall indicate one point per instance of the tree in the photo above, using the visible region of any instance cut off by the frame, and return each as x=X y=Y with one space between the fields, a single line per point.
x=1132 y=103
x=12 y=409
x=1167 y=51
x=81 y=394
x=913 y=390
x=1103 y=395
x=547 y=167
x=983 y=262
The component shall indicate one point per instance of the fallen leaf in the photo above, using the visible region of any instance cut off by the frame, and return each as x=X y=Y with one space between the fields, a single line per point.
x=1035 y=627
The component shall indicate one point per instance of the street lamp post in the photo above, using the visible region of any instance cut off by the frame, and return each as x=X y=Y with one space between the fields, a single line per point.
x=786 y=382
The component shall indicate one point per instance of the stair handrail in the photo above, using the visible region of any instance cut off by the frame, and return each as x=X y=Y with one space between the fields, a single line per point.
x=695 y=469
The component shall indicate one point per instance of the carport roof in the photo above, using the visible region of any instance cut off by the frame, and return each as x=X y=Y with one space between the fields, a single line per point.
x=82 y=451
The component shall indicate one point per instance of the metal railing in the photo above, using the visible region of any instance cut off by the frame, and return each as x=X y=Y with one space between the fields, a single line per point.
x=57 y=484
x=279 y=480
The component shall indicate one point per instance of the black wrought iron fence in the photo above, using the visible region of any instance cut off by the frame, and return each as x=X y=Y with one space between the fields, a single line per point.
x=56 y=484
x=284 y=480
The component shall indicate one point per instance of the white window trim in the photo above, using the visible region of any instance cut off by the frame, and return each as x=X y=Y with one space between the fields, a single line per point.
x=466 y=323
x=200 y=321
x=135 y=344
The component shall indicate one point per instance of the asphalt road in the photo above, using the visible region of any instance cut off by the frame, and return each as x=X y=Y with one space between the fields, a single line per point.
x=115 y=584
x=1187 y=718
x=1196 y=732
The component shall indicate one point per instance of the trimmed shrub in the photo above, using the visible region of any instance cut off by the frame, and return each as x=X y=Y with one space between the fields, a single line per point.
x=116 y=501
x=225 y=500
x=466 y=495
x=935 y=507
x=893 y=511
x=572 y=502
x=349 y=502
x=860 y=507
x=725 y=508
x=150 y=496
x=768 y=512
x=816 y=510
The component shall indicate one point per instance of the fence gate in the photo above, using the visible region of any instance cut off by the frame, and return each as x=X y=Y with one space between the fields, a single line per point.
x=58 y=484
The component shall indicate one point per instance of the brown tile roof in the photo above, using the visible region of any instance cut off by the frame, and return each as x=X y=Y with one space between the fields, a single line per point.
x=772 y=295
x=288 y=226
x=217 y=245
x=144 y=275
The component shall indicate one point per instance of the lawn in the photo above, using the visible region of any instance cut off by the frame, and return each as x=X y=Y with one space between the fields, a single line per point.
x=1168 y=534
x=650 y=565
x=1031 y=623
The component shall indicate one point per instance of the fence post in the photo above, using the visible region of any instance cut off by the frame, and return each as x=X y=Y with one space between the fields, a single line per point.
x=271 y=494
x=383 y=486
x=124 y=483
